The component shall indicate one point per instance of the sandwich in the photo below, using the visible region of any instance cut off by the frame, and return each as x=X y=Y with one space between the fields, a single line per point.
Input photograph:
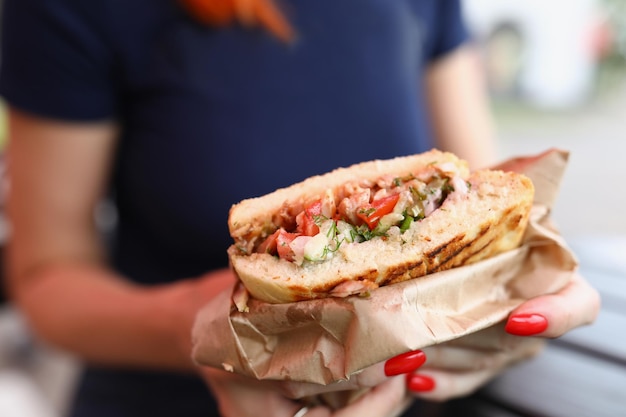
x=376 y=223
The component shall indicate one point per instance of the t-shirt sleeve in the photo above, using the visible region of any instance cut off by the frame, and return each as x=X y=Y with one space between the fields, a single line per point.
x=449 y=29
x=54 y=63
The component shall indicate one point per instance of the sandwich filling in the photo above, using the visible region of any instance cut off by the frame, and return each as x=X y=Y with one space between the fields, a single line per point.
x=360 y=211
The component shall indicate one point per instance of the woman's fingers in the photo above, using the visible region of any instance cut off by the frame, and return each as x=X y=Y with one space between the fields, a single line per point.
x=387 y=399
x=456 y=372
x=463 y=359
x=240 y=396
x=435 y=385
x=461 y=366
x=405 y=363
x=553 y=315
x=367 y=378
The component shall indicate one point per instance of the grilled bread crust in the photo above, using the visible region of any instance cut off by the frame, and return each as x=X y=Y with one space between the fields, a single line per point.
x=490 y=219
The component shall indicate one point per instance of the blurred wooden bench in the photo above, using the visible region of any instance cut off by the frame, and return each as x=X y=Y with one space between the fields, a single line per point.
x=582 y=374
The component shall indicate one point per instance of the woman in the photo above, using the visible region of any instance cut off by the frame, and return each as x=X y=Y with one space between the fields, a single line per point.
x=146 y=105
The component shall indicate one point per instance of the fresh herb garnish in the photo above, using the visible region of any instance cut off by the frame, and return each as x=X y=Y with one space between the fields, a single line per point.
x=406 y=223
x=398 y=181
x=318 y=219
x=368 y=212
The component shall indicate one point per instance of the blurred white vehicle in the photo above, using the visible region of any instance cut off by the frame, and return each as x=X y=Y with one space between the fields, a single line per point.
x=543 y=52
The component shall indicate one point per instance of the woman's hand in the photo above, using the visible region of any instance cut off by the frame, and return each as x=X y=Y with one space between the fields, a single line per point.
x=577 y=304
x=459 y=367
x=378 y=390
x=240 y=396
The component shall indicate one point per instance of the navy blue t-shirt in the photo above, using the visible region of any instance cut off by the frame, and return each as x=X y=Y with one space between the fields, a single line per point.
x=212 y=116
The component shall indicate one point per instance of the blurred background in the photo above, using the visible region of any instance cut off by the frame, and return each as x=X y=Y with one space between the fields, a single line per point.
x=557 y=76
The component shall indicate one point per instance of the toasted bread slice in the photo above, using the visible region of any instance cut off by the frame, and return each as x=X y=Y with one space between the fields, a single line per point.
x=489 y=219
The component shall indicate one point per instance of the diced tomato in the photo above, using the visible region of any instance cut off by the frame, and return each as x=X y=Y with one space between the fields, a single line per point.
x=283 y=239
x=372 y=212
x=306 y=219
x=269 y=244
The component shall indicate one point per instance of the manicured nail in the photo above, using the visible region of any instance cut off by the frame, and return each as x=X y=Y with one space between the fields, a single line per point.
x=405 y=363
x=419 y=383
x=526 y=324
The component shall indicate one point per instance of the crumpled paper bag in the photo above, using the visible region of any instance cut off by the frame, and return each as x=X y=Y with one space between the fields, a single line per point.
x=327 y=340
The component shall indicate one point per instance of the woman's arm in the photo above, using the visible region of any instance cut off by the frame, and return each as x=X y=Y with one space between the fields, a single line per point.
x=459 y=107
x=56 y=267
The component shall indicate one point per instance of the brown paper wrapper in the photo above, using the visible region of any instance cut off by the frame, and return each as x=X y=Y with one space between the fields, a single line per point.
x=327 y=340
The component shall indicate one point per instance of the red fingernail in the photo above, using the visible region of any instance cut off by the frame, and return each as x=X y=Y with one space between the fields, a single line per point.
x=419 y=383
x=405 y=363
x=526 y=324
